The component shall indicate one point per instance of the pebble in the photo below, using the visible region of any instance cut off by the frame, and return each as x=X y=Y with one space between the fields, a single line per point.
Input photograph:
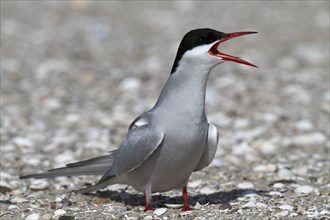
x=130 y=84
x=19 y=200
x=23 y=142
x=310 y=139
x=46 y=216
x=265 y=168
x=33 y=216
x=324 y=212
x=249 y=134
x=197 y=206
x=275 y=193
x=206 y=190
x=59 y=212
x=278 y=185
x=286 y=207
x=160 y=211
x=52 y=103
x=38 y=184
x=285 y=174
x=306 y=189
x=304 y=125
x=265 y=147
x=255 y=204
x=194 y=184
x=4 y=189
x=13 y=208
x=241 y=123
x=225 y=206
x=245 y=185
x=282 y=213
x=242 y=149
x=63 y=158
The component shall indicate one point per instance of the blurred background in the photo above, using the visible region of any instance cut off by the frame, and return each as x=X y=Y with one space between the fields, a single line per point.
x=74 y=74
x=84 y=68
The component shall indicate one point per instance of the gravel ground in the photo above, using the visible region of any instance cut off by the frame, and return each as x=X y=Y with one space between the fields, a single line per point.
x=74 y=75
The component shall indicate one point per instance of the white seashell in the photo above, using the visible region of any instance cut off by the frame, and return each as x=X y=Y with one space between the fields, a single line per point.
x=160 y=211
x=174 y=206
x=33 y=216
x=286 y=207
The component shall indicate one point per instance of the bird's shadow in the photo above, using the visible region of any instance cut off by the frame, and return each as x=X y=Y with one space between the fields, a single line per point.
x=160 y=200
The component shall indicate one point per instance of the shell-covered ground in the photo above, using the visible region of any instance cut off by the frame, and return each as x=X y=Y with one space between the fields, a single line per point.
x=74 y=74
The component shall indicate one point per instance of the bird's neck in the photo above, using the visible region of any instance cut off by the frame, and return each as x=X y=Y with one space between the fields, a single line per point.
x=184 y=93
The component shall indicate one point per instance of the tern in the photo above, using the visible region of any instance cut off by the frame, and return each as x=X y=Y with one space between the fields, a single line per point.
x=166 y=144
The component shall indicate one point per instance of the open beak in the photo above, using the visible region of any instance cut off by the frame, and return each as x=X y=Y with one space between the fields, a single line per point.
x=215 y=52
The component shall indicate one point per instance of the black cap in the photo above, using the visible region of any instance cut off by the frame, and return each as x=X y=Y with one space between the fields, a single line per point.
x=196 y=38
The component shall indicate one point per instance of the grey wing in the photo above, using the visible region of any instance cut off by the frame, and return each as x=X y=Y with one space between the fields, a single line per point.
x=210 y=147
x=140 y=142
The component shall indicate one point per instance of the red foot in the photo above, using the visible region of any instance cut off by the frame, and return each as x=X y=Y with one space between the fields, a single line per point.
x=186 y=208
x=185 y=200
x=148 y=208
x=146 y=198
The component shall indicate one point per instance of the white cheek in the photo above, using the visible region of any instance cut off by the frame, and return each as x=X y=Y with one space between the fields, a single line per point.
x=200 y=55
x=199 y=51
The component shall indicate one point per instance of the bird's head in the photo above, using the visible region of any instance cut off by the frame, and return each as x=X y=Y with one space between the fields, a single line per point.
x=201 y=46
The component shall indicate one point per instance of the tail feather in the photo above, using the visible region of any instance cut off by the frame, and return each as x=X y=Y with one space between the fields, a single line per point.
x=97 y=186
x=94 y=166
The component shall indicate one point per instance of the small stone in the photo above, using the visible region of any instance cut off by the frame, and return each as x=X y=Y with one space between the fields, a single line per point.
x=160 y=211
x=198 y=206
x=52 y=103
x=130 y=84
x=64 y=157
x=275 y=193
x=241 y=123
x=53 y=205
x=265 y=147
x=225 y=206
x=19 y=200
x=311 y=139
x=194 y=184
x=242 y=149
x=99 y=201
x=66 y=217
x=286 y=207
x=278 y=185
x=304 y=125
x=5 y=189
x=282 y=213
x=23 y=142
x=33 y=216
x=13 y=208
x=47 y=216
x=306 y=189
x=245 y=185
x=249 y=134
x=250 y=204
x=206 y=190
x=38 y=184
x=285 y=174
x=265 y=168
x=59 y=212
x=324 y=212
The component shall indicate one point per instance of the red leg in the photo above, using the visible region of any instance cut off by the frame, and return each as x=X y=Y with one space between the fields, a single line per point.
x=146 y=199
x=185 y=200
